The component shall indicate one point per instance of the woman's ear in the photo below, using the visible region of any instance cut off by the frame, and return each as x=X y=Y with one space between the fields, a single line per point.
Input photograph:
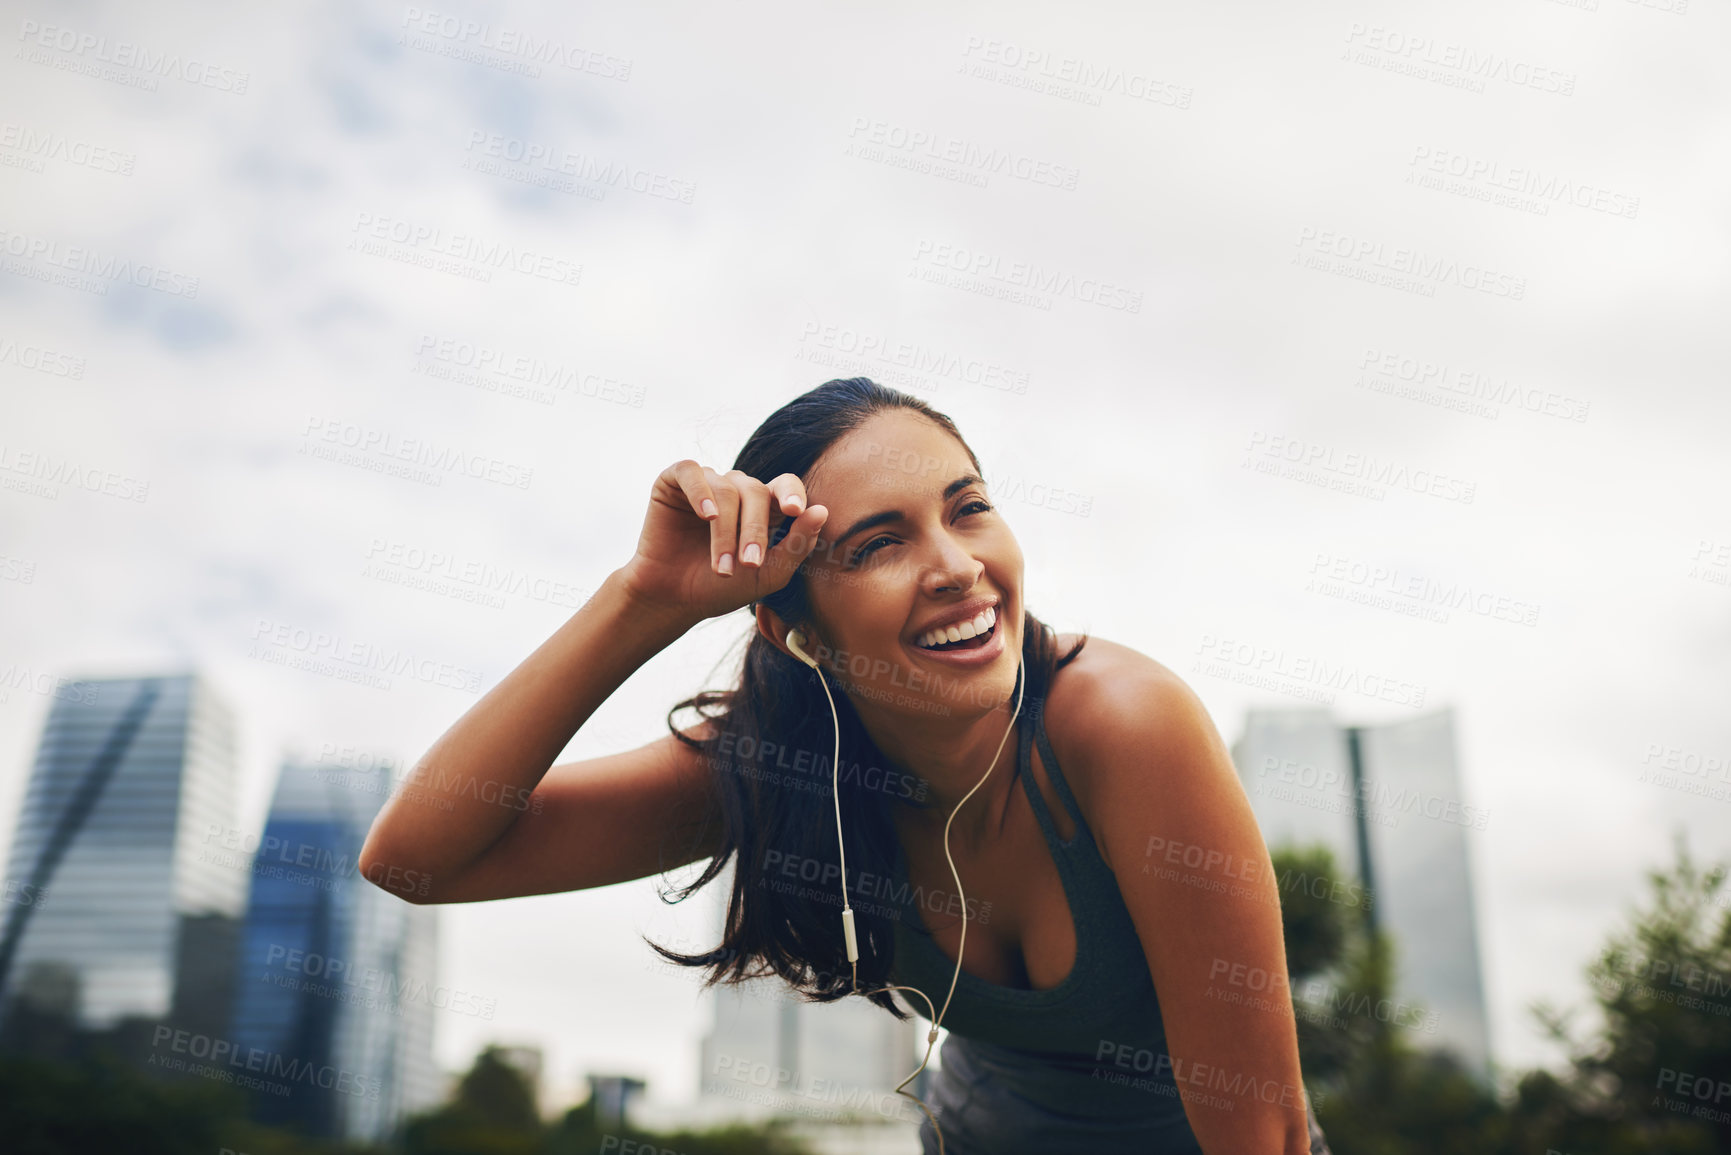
x=770 y=625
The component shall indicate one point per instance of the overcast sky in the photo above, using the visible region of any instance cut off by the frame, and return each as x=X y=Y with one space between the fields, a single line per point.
x=1466 y=263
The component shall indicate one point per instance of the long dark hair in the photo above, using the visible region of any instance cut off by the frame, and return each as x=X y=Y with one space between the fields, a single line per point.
x=779 y=710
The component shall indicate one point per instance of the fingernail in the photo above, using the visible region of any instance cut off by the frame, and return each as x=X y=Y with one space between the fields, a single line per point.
x=750 y=555
x=708 y=508
x=726 y=563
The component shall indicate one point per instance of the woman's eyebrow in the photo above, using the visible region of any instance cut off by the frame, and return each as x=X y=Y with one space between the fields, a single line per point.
x=876 y=519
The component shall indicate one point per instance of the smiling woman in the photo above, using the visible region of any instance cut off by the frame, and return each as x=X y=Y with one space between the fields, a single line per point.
x=871 y=840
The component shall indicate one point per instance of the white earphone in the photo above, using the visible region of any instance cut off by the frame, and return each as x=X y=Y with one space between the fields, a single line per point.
x=796 y=643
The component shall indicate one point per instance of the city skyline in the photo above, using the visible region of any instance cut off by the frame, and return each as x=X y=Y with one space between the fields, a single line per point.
x=1318 y=379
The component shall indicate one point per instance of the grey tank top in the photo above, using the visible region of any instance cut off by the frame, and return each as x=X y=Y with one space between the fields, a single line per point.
x=1078 y=1067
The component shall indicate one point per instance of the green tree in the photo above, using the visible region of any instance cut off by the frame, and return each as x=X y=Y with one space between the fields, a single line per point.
x=1374 y=1089
x=101 y=1104
x=492 y=1112
x=1654 y=1074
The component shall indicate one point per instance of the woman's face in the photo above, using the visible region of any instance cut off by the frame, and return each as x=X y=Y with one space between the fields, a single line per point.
x=911 y=541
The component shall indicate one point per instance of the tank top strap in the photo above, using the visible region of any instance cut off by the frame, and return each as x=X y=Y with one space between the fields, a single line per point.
x=1030 y=735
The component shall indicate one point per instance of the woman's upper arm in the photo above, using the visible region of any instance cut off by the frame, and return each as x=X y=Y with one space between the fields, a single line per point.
x=599 y=821
x=1210 y=921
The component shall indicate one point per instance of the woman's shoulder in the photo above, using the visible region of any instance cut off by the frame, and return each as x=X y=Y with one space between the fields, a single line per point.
x=1101 y=702
x=1105 y=687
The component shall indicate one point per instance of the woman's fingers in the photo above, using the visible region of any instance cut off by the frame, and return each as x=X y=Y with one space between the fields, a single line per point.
x=794 y=548
x=753 y=517
x=724 y=529
x=741 y=508
x=788 y=492
x=693 y=481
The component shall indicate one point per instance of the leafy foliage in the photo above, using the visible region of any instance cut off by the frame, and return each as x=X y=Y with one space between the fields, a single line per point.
x=1644 y=1079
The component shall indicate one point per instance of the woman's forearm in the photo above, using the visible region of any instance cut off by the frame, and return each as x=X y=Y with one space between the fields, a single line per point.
x=462 y=794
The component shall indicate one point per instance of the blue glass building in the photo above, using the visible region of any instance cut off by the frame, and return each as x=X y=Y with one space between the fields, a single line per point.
x=334 y=973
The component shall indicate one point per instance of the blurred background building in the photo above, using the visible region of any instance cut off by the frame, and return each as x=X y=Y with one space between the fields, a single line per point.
x=137 y=903
x=769 y=1052
x=128 y=922
x=333 y=970
x=1387 y=801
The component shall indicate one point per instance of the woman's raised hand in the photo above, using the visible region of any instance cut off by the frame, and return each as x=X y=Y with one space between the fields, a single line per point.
x=704 y=550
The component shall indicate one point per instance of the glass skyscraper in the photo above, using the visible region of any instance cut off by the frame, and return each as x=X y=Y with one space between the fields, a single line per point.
x=125 y=924
x=334 y=973
x=1387 y=801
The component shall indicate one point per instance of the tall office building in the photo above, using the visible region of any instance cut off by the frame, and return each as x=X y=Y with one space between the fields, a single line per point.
x=124 y=926
x=336 y=983
x=1387 y=801
x=771 y=1051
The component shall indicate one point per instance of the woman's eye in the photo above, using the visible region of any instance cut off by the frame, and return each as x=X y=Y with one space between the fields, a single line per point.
x=869 y=547
x=978 y=505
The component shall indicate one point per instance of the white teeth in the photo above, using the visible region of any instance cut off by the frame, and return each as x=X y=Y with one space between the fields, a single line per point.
x=974 y=627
